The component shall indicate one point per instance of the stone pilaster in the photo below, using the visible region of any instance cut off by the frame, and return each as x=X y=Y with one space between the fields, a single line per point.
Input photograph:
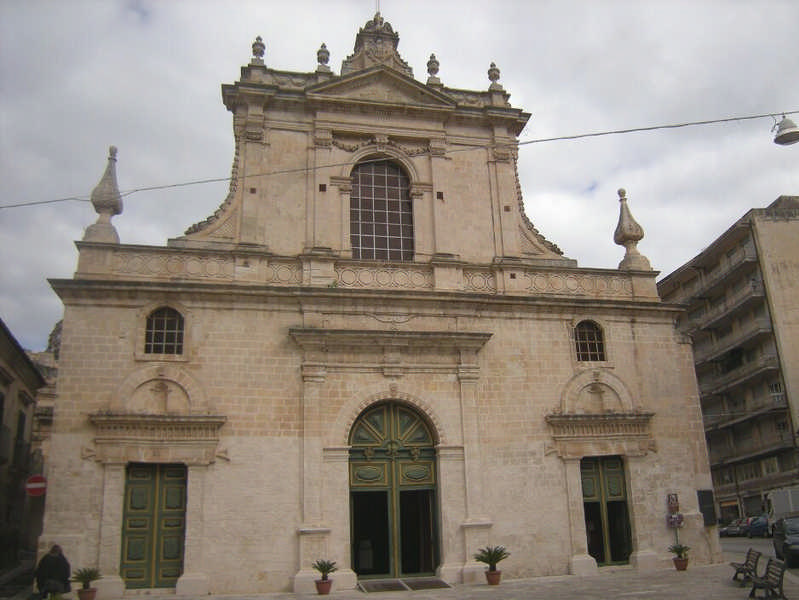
x=477 y=525
x=344 y=185
x=313 y=536
x=111 y=585
x=193 y=582
x=581 y=563
x=451 y=495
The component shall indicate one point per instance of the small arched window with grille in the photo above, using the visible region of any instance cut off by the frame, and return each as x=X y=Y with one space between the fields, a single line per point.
x=164 y=333
x=589 y=341
x=381 y=212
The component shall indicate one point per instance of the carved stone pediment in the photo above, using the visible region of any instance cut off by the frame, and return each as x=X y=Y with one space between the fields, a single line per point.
x=126 y=437
x=580 y=435
x=380 y=85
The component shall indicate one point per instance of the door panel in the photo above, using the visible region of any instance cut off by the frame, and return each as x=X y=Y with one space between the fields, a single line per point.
x=392 y=483
x=607 y=521
x=153 y=525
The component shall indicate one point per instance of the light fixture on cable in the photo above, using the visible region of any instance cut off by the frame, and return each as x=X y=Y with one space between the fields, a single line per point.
x=787 y=132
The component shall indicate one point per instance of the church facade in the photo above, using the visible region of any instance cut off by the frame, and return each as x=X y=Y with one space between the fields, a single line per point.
x=367 y=354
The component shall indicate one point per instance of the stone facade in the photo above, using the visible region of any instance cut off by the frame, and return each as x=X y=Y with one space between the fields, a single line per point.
x=295 y=338
x=742 y=314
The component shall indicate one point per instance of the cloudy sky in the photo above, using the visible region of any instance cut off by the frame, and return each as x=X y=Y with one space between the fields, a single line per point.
x=78 y=76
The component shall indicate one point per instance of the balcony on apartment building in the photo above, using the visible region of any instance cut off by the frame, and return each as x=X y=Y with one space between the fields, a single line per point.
x=711 y=282
x=718 y=419
x=751 y=449
x=714 y=385
x=722 y=313
x=747 y=335
x=765 y=482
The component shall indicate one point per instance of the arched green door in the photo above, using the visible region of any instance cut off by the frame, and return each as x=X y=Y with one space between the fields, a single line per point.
x=393 y=493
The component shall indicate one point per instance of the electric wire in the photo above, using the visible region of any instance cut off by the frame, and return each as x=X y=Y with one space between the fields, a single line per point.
x=468 y=148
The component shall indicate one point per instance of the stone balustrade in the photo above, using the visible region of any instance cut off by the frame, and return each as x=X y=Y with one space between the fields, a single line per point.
x=129 y=262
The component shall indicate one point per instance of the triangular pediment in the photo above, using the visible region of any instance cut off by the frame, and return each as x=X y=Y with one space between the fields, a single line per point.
x=380 y=85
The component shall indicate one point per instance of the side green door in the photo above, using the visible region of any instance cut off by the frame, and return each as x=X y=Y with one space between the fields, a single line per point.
x=153 y=525
x=607 y=521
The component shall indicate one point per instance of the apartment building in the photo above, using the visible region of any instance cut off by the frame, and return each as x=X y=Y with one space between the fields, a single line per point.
x=742 y=313
x=19 y=380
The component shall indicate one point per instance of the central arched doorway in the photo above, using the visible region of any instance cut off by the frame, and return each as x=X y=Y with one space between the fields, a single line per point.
x=393 y=493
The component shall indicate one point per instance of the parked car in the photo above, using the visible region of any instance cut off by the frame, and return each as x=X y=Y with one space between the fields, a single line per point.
x=733 y=529
x=758 y=527
x=786 y=539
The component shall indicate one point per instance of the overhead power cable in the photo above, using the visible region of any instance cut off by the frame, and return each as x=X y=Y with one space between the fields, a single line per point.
x=463 y=149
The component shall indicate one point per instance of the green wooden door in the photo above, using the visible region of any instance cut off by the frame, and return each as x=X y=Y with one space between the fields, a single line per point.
x=607 y=522
x=153 y=525
x=392 y=493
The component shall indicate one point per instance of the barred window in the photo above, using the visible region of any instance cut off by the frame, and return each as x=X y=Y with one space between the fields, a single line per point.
x=381 y=212
x=164 y=333
x=589 y=341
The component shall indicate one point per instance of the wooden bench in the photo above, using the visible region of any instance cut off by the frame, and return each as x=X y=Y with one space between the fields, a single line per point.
x=747 y=568
x=771 y=581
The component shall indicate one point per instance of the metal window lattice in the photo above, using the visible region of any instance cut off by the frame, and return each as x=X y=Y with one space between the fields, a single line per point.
x=381 y=213
x=590 y=344
x=164 y=334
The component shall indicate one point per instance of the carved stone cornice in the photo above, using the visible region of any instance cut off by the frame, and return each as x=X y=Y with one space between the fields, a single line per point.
x=389 y=352
x=132 y=437
x=314 y=339
x=579 y=435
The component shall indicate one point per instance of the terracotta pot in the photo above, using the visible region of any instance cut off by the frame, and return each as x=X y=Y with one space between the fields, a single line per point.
x=493 y=577
x=323 y=586
x=680 y=563
x=87 y=594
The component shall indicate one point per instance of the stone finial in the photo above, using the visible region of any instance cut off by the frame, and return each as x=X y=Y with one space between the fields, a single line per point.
x=493 y=76
x=628 y=233
x=258 y=50
x=432 y=71
x=323 y=57
x=107 y=202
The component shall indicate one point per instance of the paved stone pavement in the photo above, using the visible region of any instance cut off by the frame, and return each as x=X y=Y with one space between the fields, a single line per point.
x=622 y=583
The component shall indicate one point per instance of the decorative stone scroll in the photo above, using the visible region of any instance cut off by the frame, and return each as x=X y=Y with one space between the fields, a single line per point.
x=404 y=277
x=480 y=280
x=158 y=263
x=124 y=437
x=578 y=284
x=353 y=144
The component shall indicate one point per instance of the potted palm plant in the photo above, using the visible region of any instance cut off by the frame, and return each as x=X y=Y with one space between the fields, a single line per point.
x=491 y=555
x=680 y=552
x=325 y=567
x=85 y=577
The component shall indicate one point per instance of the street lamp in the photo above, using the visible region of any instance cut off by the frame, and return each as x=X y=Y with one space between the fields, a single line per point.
x=787 y=132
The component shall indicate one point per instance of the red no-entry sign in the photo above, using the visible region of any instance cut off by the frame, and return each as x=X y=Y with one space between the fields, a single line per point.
x=36 y=485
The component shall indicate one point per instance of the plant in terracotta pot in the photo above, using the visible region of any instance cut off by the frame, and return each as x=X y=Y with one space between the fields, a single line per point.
x=325 y=567
x=491 y=555
x=85 y=577
x=680 y=552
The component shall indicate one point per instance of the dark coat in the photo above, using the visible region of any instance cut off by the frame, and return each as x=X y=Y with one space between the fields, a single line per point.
x=53 y=567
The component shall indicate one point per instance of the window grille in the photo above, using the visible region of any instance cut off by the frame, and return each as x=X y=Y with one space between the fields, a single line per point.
x=589 y=340
x=381 y=213
x=164 y=334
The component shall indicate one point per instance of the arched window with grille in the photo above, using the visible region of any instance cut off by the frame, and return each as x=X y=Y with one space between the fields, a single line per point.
x=164 y=332
x=589 y=341
x=381 y=212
